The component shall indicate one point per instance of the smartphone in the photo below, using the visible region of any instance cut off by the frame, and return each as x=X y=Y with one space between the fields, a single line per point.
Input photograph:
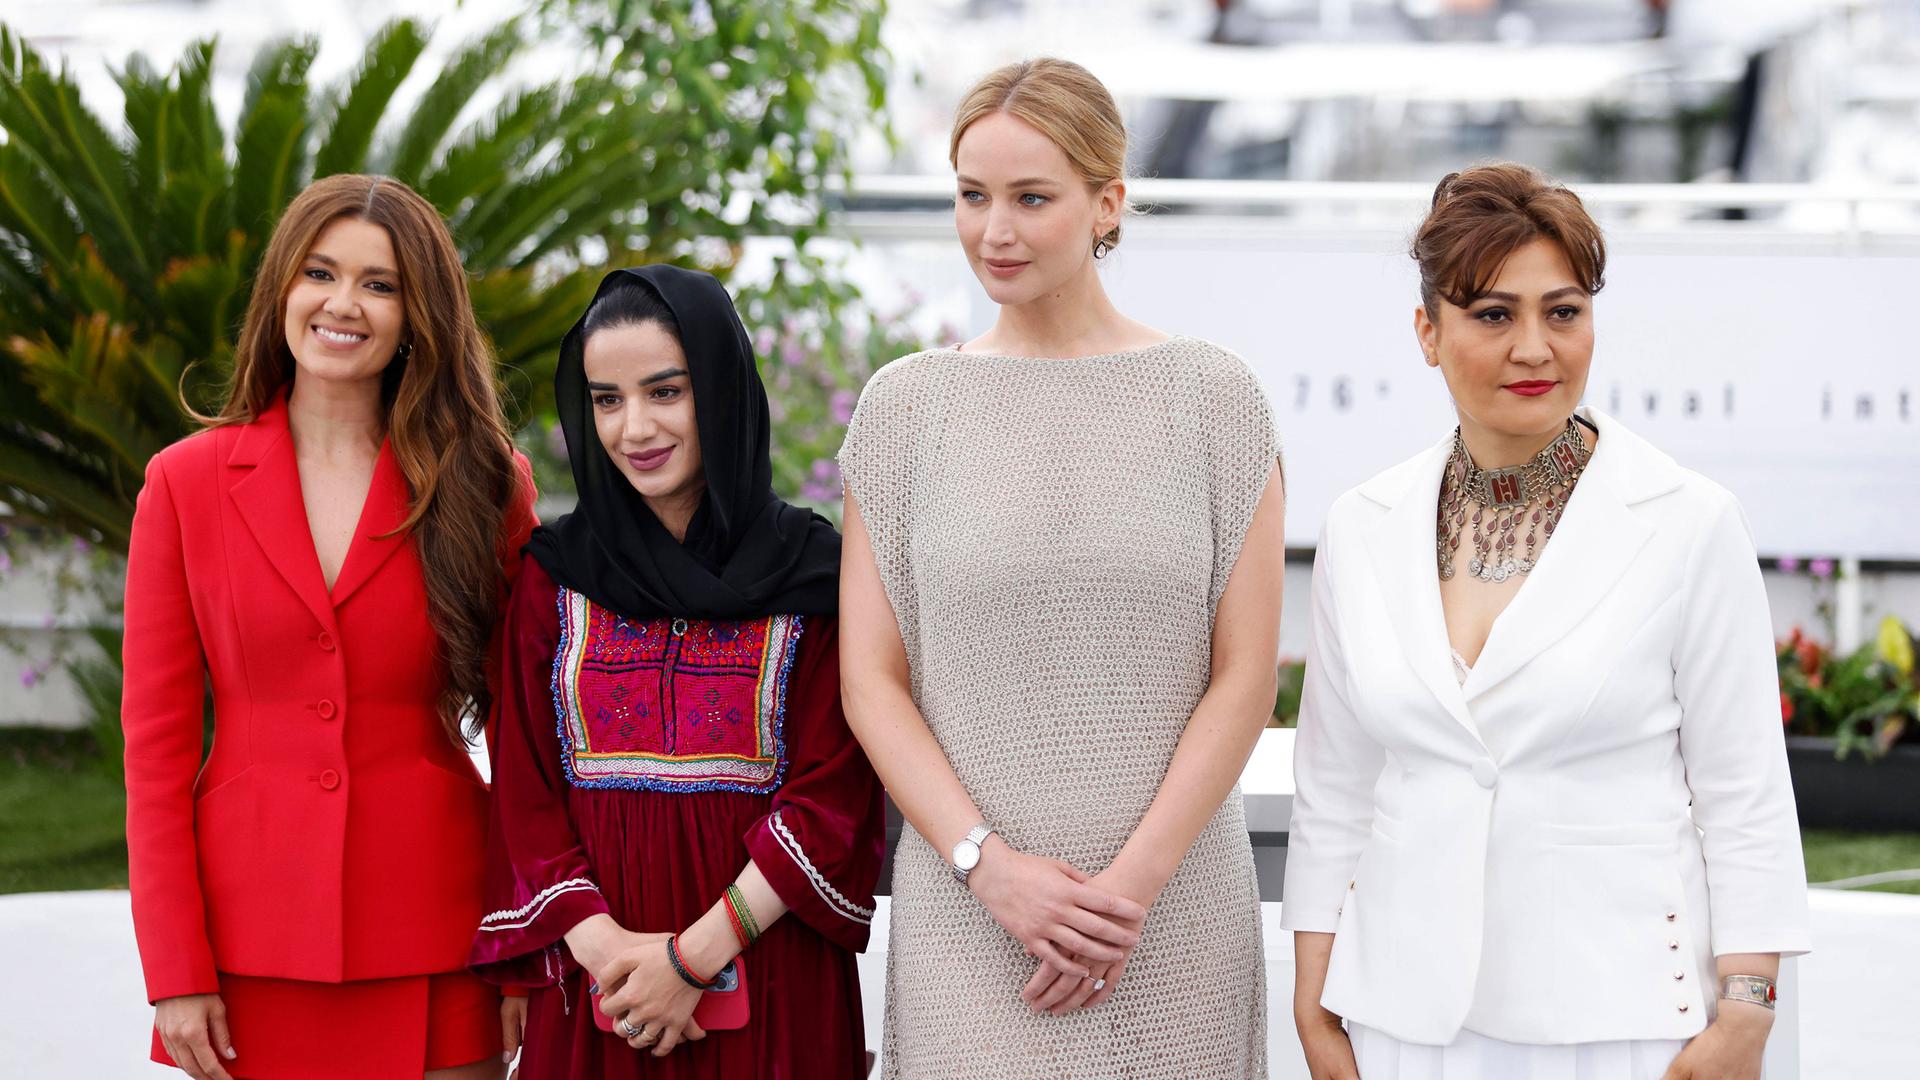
x=723 y=1008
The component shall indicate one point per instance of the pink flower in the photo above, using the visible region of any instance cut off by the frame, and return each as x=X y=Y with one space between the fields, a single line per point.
x=842 y=404
x=1821 y=568
x=1789 y=565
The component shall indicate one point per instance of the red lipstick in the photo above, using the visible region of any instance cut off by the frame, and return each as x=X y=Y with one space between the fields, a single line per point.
x=1531 y=388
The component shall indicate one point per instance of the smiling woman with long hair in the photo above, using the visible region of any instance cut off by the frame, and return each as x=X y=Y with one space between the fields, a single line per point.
x=330 y=556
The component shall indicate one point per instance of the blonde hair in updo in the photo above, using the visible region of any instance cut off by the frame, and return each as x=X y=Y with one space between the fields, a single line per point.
x=1063 y=101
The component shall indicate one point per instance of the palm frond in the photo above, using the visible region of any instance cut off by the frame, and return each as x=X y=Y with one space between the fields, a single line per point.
x=488 y=152
x=270 y=151
x=438 y=109
x=97 y=382
x=43 y=115
x=33 y=210
x=389 y=58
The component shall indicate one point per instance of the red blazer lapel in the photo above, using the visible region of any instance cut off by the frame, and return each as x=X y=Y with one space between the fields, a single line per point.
x=268 y=499
x=389 y=500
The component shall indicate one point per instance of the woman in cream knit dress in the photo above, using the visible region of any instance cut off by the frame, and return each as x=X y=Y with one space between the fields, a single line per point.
x=1060 y=611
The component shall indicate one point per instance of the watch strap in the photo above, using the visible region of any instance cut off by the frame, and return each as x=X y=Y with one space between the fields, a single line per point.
x=975 y=836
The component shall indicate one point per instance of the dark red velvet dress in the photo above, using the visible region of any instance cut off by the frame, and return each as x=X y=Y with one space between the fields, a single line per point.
x=640 y=765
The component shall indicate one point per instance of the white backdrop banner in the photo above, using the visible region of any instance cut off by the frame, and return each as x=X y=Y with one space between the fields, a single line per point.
x=1789 y=377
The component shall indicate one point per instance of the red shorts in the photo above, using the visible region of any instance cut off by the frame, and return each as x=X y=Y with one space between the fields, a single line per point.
x=287 y=1029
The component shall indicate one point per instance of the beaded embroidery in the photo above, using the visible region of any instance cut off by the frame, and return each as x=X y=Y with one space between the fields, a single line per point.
x=672 y=704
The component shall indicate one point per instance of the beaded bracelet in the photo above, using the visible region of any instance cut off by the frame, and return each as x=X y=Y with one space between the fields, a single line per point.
x=742 y=914
x=739 y=929
x=681 y=969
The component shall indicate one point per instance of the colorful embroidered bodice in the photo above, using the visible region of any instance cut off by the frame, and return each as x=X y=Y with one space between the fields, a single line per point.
x=672 y=704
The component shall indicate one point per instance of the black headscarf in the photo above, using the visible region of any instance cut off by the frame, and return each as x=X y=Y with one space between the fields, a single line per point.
x=747 y=554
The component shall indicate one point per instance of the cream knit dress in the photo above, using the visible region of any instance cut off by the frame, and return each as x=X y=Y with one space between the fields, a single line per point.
x=1054 y=536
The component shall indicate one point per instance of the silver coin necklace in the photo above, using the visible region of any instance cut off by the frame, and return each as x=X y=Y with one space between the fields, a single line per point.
x=1499 y=503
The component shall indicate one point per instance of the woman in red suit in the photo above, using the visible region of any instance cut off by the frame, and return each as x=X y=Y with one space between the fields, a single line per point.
x=330 y=556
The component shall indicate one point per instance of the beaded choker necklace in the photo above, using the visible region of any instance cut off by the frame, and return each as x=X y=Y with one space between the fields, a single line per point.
x=1499 y=501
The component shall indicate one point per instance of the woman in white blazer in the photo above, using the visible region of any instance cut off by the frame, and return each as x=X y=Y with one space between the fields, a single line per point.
x=1542 y=827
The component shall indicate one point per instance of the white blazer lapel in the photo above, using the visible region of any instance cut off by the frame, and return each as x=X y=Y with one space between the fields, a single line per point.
x=1402 y=549
x=1594 y=546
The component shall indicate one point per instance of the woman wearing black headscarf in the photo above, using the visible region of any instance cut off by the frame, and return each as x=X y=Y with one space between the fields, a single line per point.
x=674 y=773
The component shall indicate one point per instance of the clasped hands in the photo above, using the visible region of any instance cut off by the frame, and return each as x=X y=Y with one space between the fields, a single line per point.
x=651 y=1005
x=1082 y=929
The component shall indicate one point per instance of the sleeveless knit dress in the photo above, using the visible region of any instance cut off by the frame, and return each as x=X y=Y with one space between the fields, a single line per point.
x=1054 y=536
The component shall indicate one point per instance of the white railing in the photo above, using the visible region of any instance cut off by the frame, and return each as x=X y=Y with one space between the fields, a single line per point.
x=1279 y=194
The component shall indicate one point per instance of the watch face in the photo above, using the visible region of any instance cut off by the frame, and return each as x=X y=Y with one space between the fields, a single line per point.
x=966 y=854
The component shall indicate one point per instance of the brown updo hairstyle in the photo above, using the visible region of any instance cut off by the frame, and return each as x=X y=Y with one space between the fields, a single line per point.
x=1484 y=214
x=1063 y=101
x=443 y=414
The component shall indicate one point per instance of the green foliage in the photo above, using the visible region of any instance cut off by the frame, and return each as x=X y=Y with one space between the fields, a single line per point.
x=1286 y=704
x=127 y=253
x=1867 y=702
x=756 y=101
x=126 y=257
x=66 y=819
x=817 y=345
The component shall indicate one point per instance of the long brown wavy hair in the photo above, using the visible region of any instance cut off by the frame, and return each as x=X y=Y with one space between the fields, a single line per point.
x=443 y=415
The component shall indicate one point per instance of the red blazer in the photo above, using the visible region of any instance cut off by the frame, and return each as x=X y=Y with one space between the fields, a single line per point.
x=335 y=833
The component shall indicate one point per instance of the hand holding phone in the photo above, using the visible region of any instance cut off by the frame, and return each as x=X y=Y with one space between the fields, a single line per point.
x=724 y=1008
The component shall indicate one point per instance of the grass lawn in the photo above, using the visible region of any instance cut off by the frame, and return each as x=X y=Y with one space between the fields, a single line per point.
x=1832 y=855
x=63 y=818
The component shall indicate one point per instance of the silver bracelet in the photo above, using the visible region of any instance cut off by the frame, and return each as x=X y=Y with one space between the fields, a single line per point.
x=1756 y=989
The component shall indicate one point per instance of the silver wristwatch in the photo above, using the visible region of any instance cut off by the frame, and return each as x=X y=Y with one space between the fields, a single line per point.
x=966 y=853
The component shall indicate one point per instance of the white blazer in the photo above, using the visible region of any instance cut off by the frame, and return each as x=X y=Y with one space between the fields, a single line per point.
x=1555 y=851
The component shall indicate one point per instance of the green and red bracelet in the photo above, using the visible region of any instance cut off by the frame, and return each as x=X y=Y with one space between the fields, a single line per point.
x=741 y=915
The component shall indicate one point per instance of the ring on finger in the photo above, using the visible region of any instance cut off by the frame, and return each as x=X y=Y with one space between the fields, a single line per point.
x=628 y=1031
x=1099 y=985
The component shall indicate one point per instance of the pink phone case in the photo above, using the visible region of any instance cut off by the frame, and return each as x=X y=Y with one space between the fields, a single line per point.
x=723 y=1009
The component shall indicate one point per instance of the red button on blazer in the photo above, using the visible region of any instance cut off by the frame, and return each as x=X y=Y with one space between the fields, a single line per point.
x=335 y=833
